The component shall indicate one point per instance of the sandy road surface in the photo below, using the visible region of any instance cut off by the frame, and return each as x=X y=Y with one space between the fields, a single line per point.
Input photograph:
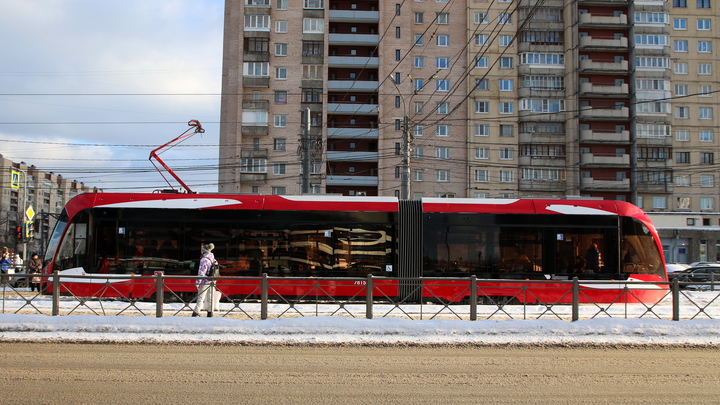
x=180 y=374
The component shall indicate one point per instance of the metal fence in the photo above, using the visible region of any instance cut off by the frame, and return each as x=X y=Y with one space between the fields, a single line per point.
x=371 y=297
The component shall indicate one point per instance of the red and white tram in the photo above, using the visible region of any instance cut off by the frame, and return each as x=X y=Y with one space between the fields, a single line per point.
x=500 y=241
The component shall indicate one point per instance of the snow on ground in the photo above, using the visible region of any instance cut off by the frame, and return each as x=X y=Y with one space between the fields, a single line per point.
x=26 y=317
x=336 y=330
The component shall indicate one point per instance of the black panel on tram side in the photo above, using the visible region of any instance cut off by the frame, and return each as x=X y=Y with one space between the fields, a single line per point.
x=522 y=246
x=248 y=242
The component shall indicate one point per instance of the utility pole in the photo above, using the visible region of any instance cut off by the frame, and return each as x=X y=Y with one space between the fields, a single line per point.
x=305 y=142
x=405 y=173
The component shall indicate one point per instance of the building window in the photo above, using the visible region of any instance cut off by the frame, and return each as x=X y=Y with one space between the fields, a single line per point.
x=506 y=85
x=442 y=130
x=682 y=157
x=706 y=136
x=312 y=72
x=443 y=40
x=442 y=176
x=419 y=62
x=703 y=3
x=419 y=84
x=482 y=129
x=681 y=68
x=280 y=97
x=703 y=25
x=507 y=176
x=443 y=108
x=704 y=46
x=279 y=144
x=705 y=113
x=707 y=158
x=442 y=153
x=313 y=25
x=505 y=40
x=680 y=46
x=256 y=69
x=707 y=203
x=278 y=169
x=417 y=175
x=682 y=112
x=279 y=190
x=314 y=4
x=312 y=48
x=504 y=18
x=482 y=107
x=257 y=22
x=507 y=130
x=443 y=18
x=481 y=62
x=312 y=95
x=253 y=165
x=681 y=90
x=419 y=17
x=682 y=135
x=481 y=39
x=280 y=121
x=682 y=180
x=707 y=180
x=507 y=153
x=660 y=203
x=482 y=152
x=507 y=107
x=506 y=62
x=418 y=152
x=442 y=63
x=680 y=24
x=397 y=32
x=482 y=84
x=419 y=41
x=705 y=90
x=280 y=73
x=481 y=18
x=442 y=85
x=482 y=176
x=704 y=69
x=679 y=3
x=281 y=27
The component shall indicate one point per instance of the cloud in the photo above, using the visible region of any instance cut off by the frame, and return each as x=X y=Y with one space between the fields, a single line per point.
x=133 y=52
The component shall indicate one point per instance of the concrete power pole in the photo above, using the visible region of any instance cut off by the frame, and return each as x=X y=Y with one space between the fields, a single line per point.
x=305 y=142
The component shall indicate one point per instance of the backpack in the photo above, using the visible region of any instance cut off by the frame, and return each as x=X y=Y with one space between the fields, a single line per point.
x=214 y=270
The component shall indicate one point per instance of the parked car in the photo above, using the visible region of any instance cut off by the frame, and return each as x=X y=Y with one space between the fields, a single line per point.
x=697 y=264
x=673 y=267
x=699 y=274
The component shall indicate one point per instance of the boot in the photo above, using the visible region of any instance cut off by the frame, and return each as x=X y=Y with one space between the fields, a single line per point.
x=194 y=314
x=210 y=314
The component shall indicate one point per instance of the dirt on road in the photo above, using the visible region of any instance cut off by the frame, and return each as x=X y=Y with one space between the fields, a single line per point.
x=66 y=373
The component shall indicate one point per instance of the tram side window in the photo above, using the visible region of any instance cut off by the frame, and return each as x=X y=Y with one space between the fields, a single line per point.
x=73 y=250
x=639 y=253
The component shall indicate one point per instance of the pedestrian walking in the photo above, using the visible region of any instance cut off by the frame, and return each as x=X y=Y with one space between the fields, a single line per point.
x=206 y=288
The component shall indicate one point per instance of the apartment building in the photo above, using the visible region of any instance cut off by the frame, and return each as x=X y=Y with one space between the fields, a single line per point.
x=22 y=187
x=603 y=99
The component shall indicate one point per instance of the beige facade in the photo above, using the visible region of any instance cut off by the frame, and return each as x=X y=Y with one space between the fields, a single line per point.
x=23 y=186
x=595 y=98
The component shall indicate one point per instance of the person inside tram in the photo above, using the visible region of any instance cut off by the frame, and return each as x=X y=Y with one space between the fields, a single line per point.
x=593 y=258
x=523 y=263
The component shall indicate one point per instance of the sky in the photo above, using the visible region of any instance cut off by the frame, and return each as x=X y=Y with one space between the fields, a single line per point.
x=88 y=88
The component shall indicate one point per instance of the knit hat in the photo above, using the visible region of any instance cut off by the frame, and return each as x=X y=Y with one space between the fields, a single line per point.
x=207 y=248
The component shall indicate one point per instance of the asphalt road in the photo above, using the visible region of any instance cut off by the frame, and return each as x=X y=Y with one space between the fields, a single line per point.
x=50 y=373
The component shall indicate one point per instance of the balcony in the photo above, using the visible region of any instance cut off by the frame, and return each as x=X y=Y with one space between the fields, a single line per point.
x=590 y=136
x=655 y=188
x=608 y=113
x=353 y=39
x=254 y=130
x=543 y=161
x=603 y=20
x=253 y=178
x=347 y=156
x=527 y=137
x=601 y=159
x=599 y=43
x=256 y=81
x=604 y=66
x=254 y=153
x=354 y=109
x=354 y=16
x=548 y=186
x=347 y=180
x=352 y=85
x=590 y=183
x=355 y=133
x=598 y=89
x=255 y=104
x=260 y=56
x=354 y=61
